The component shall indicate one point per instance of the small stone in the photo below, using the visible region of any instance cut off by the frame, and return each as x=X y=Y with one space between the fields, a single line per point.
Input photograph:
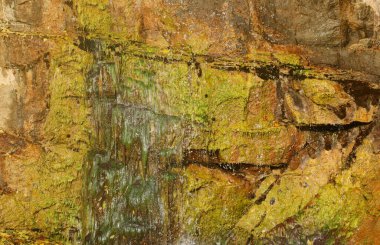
x=272 y=201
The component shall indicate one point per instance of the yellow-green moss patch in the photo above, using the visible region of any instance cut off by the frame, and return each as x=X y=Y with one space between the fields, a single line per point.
x=214 y=201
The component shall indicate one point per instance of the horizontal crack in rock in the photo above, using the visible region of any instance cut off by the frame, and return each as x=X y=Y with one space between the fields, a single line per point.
x=211 y=159
x=330 y=127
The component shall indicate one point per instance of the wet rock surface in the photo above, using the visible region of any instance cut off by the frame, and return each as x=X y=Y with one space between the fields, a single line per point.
x=193 y=122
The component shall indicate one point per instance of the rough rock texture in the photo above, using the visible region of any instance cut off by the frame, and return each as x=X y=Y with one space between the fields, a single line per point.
x=190 y=121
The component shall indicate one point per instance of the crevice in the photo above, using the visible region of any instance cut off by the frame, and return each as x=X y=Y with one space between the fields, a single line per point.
x=88 y=45
x=232 y=67
x=266 y=71
x=280 y=110
x=212 y=159
x=198 y=188
x=263 y=196
x=44 y=208
x=296 y=74
x=198 y=69
x=249 y=240
x=165 y=60
x=364 y=132
x=4 y=188
x=23 y=2
x=69 y=3
x=260 y=221
x=331 y=127
x=269 y=72
x=363 y=93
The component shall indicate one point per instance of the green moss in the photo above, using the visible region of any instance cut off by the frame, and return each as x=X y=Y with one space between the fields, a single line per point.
x=51 y=189
x=223 y=87
x=216 y=101
x=169 y=22
x=214 y=202
x=260 y=56
x=176 y=89
x=277 y=207
x=288 y=59
x=293 y=192
x=8 y=237
x=67 y=131
x=309 y=73
x=164 y=88
x=340 y=207
x=94 y=16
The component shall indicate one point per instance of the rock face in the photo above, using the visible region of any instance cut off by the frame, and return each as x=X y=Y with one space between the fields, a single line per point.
x=222 y=121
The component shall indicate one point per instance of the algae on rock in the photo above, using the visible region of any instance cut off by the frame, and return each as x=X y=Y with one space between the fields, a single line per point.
x=60 y=159
x=213 y=202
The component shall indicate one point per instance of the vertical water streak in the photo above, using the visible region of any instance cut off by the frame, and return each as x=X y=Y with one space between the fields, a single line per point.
x=131 y=182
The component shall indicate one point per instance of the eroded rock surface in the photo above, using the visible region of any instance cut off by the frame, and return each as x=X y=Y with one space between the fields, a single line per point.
x=190 y=121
